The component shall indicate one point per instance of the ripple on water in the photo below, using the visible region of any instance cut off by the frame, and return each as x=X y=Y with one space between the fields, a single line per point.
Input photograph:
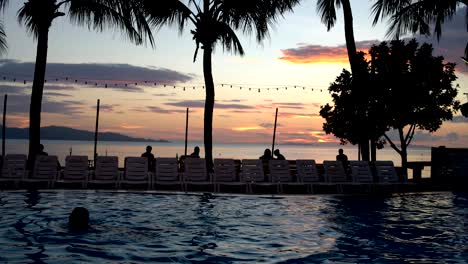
x=140 y=228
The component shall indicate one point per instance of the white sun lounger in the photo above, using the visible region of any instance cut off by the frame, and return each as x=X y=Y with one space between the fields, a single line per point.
x=45 y=170
x=335 y=173
x=253 y=174
x=106 y=171
x=75 y=171
x=14 y=168
x=386 y=172
x=136 y=172
x=225 y=174
x=167 y=173
x=196 y=173
x=280 y=173
x=307 y=173
x=361 y=172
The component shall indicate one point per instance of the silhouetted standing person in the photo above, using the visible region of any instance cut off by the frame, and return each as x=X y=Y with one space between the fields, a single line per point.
x=278 y=155
x=150 y=158
x=196 y=152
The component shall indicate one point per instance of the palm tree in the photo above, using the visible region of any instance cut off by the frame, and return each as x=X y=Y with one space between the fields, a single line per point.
x=407 y=16
x=216 y=21
x=38 y=15
x=327 y=11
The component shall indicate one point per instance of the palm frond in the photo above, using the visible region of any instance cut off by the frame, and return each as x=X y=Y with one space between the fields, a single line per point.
x=3 y=42
x=3 y=4
x=101 y=14
x=250 y=17
x=229 y=39
x=37 y=15
x=407 y=16
x=169 y=12
x=327 y=11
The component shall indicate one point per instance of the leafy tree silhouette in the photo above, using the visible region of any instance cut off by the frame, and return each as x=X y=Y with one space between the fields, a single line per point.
x=407 y=88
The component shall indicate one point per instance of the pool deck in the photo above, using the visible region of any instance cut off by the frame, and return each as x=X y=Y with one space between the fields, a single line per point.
x=349 y=188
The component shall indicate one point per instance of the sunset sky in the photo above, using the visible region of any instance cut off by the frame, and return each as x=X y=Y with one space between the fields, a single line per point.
x=292 y=69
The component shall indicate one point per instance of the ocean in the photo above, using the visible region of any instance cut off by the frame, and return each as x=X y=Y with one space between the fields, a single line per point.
x=63 y=148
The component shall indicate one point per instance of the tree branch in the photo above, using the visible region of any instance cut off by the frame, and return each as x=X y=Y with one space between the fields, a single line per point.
x=409 y=132
x=411 y=137
x=392 y=144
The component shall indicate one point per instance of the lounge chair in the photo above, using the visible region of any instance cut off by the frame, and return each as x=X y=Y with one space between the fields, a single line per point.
x=307 y=173
x=76 y=170
x=136 y=172
x=196 y=173
x=253 y=174
x=386 y=172
x=167 y=173
x=361 y=174
x=335 y=173
x=45 y=170
x=106 y=171
x=14 y=168
x=225 y=174
x=280 y=173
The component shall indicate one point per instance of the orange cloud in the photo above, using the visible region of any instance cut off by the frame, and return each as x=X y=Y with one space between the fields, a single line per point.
x=307 y=54
x=248 y=128
x=127 y=126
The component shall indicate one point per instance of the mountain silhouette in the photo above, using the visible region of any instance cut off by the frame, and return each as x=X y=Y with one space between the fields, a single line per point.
x=66 y=133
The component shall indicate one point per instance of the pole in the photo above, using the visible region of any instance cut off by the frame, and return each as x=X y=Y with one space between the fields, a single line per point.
x=274 y=133
x=186 y=131
x=4 y=125
x=96 y=132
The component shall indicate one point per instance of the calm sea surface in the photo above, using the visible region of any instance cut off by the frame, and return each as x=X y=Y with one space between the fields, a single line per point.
x=177 y=228
x=236 y=151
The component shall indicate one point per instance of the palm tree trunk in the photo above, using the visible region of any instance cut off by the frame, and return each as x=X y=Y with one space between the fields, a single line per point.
x=349 y=34
x=36 y=95
x=209 y=105
x=351 y=47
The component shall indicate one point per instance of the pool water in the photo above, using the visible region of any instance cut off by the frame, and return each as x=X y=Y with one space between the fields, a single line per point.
x=181 y=228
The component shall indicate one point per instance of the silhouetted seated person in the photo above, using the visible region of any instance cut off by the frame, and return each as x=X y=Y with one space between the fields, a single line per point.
x=278 y=155
x=195 y=153
x=344 y=160
x=41 y=151
x=79 y=219
x=150 y=157
x=266 y=155
x=265 y=159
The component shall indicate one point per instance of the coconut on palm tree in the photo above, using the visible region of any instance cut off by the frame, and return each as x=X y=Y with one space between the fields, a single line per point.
x=327 y=10
x=215 y=21
x=38 y=16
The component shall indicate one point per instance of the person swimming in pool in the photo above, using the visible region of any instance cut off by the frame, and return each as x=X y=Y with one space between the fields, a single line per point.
x=79 y=218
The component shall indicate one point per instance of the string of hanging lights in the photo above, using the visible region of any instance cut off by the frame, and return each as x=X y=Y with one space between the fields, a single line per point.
x=121 y=83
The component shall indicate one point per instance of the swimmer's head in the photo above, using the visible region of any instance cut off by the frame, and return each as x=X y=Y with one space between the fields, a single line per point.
x=79 y=218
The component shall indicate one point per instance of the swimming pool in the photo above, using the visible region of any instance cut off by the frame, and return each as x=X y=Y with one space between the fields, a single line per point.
x=180 y=228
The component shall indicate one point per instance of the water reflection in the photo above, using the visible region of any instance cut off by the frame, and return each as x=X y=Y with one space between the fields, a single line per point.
x=32 y=198
x=138 y=228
